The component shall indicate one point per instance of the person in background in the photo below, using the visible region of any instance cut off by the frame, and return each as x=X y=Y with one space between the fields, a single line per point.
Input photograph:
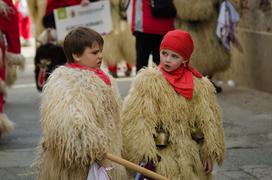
x=9 y=26
x=48 y=19
x=40 y=8
x=10 y=56
x=148 y=31
x=24 y=22
x=171 y=119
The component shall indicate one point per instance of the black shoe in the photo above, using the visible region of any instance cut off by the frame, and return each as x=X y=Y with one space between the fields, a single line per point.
x=217 y=88
x=114 y=74
x=127 y=73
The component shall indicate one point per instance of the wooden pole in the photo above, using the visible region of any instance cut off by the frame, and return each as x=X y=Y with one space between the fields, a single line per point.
x=134 y=167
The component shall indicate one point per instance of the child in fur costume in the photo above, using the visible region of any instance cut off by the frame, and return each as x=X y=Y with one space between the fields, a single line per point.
x=171 y=117
x=80 y=113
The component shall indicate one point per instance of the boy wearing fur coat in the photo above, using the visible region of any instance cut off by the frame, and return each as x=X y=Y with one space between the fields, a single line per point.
x=171 y=117
x=79 y=113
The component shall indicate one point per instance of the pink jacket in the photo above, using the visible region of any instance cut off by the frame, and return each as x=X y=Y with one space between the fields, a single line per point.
x=142 y=20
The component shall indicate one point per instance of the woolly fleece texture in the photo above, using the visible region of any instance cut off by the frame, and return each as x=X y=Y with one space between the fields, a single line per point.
x=37 y=11
x=6 y=126
x=80 y=119
x=119 y=45
x=13 y=62
x=151 y=102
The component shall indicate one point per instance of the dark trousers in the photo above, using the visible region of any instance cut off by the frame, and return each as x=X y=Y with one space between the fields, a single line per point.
x=147 y=44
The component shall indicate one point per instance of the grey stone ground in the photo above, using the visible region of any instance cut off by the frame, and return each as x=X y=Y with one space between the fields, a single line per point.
x=247 y=121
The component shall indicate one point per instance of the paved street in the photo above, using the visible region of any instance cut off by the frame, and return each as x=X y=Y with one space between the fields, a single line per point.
x=247 y=121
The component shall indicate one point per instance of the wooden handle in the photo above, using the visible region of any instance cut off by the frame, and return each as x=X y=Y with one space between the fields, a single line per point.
x=134 y=167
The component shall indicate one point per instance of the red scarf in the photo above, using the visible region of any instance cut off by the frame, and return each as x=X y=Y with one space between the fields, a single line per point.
x=98 y=72
x=182 y=80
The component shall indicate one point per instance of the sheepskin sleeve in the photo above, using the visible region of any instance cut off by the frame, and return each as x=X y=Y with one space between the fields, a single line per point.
x=209 y=121
x=139 y=119
x=72 y=118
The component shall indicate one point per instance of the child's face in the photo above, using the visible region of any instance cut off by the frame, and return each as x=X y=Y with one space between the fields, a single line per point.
x=170 y=60
x=91 y=57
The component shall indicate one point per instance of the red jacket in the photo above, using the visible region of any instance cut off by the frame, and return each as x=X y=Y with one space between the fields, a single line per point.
x=9 y=26
x=54 y=4
x=142 y=20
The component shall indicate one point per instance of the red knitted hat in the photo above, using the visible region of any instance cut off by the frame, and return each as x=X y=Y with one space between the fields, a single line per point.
x=178 y=41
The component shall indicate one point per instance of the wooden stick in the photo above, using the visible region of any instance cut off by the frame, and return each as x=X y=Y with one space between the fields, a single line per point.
x=134 y=167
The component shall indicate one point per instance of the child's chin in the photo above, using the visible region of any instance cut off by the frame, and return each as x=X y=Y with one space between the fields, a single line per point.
x=98 y=66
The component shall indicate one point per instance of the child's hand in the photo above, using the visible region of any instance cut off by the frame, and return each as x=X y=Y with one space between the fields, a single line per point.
x=103 y=162
x=84 y=2
x=208 y=165
x=101 y=157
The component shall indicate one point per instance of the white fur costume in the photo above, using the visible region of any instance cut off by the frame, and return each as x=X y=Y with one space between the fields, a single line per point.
x=120 y=43
x=37 y=10
x=152 y=102
x=80 y=119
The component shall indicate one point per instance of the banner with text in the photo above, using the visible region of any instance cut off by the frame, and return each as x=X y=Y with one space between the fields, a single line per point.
x=95 y=15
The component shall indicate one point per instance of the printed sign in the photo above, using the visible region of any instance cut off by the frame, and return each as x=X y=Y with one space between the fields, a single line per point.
x=95 y=15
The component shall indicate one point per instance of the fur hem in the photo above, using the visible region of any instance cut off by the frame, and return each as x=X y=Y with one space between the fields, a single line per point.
x=153 y=103
x=6 y=126
x=80 y=128
x=202 y=10
x=3 y=87
x=16 y=59
x=11 y=76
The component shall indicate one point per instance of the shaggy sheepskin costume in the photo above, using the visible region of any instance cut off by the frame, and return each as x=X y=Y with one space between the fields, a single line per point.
x=47 y=58
x=199 y=17
x=119 y=44
x=151 y=103
x=37 y=11
x=80 y=119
